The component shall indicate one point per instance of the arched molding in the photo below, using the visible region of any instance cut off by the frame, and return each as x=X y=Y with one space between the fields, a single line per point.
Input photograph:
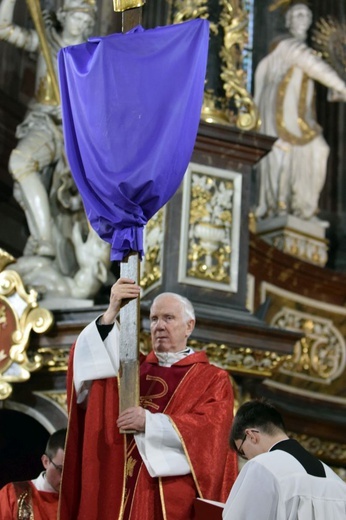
x=44 y=409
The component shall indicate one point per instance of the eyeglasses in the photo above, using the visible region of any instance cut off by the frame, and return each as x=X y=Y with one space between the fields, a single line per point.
x=58 y=467
x=240 y=450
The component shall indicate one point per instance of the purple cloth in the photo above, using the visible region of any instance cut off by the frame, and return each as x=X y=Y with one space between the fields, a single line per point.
x=131 y=106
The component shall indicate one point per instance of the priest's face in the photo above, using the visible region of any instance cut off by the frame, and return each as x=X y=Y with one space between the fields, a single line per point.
x=169 y=324
x=53 y=467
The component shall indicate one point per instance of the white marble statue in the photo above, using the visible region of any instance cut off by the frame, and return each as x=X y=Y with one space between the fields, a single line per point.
x=292 y=175
x=43 y=185
x=40 y=141
x=59 y=290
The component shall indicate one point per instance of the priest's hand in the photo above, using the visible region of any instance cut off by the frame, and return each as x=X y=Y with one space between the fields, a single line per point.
x=132 y=419
x=122 y=292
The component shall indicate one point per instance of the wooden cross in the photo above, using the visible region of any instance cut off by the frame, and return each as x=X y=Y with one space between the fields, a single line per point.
x=128 y=15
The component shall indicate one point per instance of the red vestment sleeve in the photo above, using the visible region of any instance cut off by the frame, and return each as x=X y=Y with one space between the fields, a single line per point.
x=8 y=503
x=203 y=414
x=94 y=466
x=43 y=505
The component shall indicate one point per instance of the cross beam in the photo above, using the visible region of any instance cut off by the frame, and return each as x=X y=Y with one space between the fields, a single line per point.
x=128 y=15
x=129 y=339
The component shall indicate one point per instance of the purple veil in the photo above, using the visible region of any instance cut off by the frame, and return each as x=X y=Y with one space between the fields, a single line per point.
x=131 y=107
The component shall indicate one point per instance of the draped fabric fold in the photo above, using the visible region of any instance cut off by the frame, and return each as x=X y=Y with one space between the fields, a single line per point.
x=131 y=106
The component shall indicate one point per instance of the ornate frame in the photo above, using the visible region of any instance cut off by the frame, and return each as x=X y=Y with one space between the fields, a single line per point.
x=210 y=228
x=19 y=315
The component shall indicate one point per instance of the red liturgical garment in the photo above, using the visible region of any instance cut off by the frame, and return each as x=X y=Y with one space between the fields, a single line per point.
x=104 y=477
x=22 y=501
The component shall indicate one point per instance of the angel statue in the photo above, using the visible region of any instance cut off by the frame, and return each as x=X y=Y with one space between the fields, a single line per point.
x=43 y=185
x=292 y=175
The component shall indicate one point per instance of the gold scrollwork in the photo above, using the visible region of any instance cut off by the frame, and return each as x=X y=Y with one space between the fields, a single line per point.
x=189 y=10
x=245 y=361
x=5 y=259
x=241 y=360
x=122 y=5
x=323 y=449
x=20 y=314
x=5 y=390
x=234 y=21
x=232 y=25
x=151 y=265
x=321 y=355
x=54 y=359
x=308 y=133
x=329 y=38
x=144 y=343
x=210 y=224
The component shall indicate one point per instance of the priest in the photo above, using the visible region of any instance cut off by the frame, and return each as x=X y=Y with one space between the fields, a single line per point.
x=179 y=450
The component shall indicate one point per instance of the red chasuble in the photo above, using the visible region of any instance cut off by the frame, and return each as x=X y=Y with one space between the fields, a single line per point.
x=104 y=477
x=22 y=501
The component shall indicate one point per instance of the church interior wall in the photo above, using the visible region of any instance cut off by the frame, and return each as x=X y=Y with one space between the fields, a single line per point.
x=16 y=83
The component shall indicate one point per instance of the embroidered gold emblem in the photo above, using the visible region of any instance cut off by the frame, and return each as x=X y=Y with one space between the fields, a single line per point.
x=25 y=511
x=130 y=465
x=146 y=401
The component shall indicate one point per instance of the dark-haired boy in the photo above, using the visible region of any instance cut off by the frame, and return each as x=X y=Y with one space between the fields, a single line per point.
x=281 y=480
x=37 y=499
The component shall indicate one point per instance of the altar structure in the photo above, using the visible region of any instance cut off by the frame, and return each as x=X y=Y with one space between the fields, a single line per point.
x=267 y=309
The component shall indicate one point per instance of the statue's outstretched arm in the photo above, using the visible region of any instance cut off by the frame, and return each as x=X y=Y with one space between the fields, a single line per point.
x=12 y=33
x=314 y=66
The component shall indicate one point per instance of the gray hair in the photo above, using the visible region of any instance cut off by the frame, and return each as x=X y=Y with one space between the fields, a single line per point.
x=189 y=311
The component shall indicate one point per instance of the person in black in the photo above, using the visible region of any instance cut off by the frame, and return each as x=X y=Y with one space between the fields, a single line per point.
x=281 y=480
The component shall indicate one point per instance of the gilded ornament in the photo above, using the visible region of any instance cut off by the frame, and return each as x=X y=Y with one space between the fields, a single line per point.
x=54 y=359
x=240 y=361
x=321 y=355
x=151 y=269
x=123 y=5
x=190 y=10
x=5 y=259
x=130 y=465
x=19 y=315
x=323 y=449
x=245 y=361
x=231 y=28
x=308 y=133
x=329 y=38
x=234 y=21
x=210 y=228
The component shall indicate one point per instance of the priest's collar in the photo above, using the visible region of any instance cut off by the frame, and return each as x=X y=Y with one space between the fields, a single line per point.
x=167 y=359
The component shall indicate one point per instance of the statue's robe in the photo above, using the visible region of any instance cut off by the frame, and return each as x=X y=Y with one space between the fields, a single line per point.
x=292 y=175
